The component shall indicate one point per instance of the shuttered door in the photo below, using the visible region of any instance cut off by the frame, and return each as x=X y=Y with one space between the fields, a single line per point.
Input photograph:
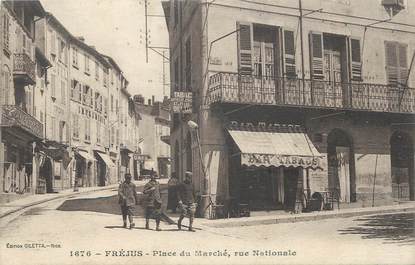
x=289 y=54
x=245 y=36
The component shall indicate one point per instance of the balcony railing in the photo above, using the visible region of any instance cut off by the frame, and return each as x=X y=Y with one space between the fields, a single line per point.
x=13 y=116
x=24 y=68
x=227 y=87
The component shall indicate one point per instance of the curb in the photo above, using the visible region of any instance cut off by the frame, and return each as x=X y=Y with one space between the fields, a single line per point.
x=19 y=208
x=304 y=218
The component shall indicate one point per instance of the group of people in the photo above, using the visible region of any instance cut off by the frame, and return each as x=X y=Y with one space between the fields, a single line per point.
x=181 y=195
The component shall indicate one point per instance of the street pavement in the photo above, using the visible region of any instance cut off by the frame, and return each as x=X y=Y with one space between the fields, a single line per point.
x=86 y=229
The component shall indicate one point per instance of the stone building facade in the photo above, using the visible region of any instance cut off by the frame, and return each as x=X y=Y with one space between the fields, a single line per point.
x=336 y=73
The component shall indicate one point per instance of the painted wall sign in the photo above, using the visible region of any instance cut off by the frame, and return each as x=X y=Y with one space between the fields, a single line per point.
x=182 y=102
x=280 y=160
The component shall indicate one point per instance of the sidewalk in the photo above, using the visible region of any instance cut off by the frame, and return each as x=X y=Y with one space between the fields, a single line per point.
x=283 y=217
x=31 y=200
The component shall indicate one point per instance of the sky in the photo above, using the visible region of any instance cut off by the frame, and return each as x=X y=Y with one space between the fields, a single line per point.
x=117 y=28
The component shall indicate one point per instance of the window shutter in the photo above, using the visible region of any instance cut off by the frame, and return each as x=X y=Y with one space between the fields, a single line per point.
x=355 y=60
x=403 y=63
x=289 y=54
x=316 y=55
x=391 y=55
x=245 y=36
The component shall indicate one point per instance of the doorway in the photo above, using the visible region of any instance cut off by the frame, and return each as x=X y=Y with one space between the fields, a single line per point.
x=46 y=173
x=402 y=166
x=341 y=175
x=291 y=189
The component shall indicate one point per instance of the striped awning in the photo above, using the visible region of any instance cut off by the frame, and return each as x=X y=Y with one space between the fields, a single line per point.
x=285 y=145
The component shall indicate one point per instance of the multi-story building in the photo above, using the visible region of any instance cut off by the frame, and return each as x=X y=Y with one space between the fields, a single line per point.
x=293 y=100
x=155 y=134
x=52 y=102
x=128 y=132
x=89 y=110
x=20 y=130
x=115 y=76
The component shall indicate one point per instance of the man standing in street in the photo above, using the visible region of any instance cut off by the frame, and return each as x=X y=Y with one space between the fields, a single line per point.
x=153 y=202
x=187 y=204
x=127 y=198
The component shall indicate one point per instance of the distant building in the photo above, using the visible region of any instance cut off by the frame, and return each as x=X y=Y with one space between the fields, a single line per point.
x=155 y=136
x=67 y=118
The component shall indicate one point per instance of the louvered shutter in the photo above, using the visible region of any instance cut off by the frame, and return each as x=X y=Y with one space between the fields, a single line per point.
x=289 y=54
x=402 y=63
x=391 y=55
x=355 y=60
x=316 y=55
x=245 y=36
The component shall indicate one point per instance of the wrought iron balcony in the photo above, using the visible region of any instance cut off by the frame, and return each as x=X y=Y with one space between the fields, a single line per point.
x=24 y=68
x=13 y=116
x=227 y=87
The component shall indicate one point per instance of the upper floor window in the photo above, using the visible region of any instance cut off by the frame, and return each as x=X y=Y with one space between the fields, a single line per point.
x=335 y=58
x=87 y=64
x=75 y=57
x=258 y=52
x=396 y=63
x=96 y=70
x=63 y=56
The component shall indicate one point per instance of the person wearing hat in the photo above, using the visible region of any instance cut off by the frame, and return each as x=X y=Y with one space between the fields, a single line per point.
x=153 y=202
x=185 y=194
x=127 y=198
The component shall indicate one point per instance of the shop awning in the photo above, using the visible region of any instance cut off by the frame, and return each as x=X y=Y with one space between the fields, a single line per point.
x=86 y=155
x=107 y=160
x=277 y=146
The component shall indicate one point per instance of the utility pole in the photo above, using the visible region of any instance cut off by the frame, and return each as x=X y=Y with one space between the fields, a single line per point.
x=146 y=29
x=300 y=6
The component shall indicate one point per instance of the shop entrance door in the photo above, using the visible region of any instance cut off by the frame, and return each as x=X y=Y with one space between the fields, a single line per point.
x=290 y=187
x=343 y=172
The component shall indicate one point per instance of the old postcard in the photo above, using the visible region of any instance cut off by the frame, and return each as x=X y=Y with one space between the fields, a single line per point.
x=207 y=132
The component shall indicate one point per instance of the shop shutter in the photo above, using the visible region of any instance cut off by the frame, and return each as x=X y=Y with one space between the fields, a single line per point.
x=391 y=55
x=355 y=60
x=316 y=55
x=245 y=36
x=289 y=54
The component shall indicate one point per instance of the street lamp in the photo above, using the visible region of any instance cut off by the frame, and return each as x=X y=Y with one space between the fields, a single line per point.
x=195 y=127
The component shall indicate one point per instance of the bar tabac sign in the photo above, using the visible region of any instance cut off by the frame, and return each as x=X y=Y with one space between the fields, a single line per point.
x=280 y=160
x=182 y=102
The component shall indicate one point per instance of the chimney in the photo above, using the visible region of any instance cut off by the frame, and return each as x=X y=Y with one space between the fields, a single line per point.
x=81 y=38
x=149 y=102
x=152 y=99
